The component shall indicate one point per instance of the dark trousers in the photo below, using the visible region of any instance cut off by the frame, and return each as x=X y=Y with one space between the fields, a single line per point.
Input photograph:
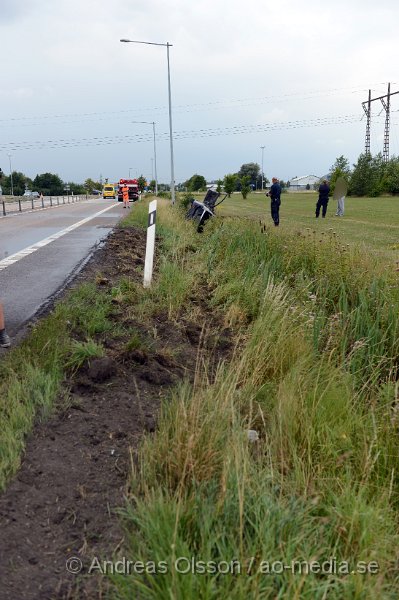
x=322 y=202
x=275 y=210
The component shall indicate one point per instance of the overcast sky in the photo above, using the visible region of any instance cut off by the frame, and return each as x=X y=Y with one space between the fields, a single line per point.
x=288 y=75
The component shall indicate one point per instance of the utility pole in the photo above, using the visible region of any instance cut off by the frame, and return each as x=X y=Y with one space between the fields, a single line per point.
x=12 y=186
x=387 y=107
x=262 y=148
x=155 y=159
x=368 y=118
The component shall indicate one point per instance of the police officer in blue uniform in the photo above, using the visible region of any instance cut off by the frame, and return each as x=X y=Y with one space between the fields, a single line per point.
x=322 y=202
x=274 y=193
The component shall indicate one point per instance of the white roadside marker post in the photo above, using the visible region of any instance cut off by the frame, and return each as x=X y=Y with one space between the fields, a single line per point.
x=150 y=247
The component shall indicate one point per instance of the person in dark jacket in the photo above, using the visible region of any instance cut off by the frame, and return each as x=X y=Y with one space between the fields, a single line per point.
x=274 y=193
x=324 y=190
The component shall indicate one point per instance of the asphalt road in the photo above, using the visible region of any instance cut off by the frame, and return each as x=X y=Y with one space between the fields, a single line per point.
x=39 y=251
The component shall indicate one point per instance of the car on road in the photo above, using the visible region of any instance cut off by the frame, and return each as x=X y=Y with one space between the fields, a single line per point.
x=109 y=191
x=29 y=194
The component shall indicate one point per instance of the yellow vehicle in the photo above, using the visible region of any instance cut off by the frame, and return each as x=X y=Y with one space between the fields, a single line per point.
x=108 y=191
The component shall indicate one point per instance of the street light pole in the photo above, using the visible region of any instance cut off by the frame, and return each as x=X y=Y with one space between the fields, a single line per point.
x=155 y=161
x=172 y=183
x=155 y=150
x=12 y=186
x=262 y=148
x=172 y=174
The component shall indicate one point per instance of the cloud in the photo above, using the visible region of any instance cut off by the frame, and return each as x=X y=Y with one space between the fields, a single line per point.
x=232 y=64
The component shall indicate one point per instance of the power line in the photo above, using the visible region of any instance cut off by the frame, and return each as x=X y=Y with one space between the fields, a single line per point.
x=183 y=134
x=187 y=108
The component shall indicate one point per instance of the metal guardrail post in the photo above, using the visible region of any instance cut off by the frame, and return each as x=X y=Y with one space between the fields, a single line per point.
x=51 y=201
x=58 y=201
x=33 y=204
x=19 y=204
x=4 y=209
x=63 y=199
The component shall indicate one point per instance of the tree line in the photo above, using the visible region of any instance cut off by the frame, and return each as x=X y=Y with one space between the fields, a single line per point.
x=369 y=176
x=49 y=184
x=248 y=178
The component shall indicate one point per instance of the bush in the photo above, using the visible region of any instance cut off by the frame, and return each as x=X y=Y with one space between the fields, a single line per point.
x=185 y=200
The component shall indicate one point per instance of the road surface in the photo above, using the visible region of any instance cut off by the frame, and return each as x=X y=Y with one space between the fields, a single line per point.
x=40 y=250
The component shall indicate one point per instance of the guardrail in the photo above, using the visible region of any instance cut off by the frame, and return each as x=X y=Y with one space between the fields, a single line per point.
x=21 y=204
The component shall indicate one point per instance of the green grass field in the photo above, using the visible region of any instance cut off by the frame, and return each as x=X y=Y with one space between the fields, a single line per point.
x=372 y=221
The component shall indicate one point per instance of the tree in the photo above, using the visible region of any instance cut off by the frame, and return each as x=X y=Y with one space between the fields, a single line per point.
x=340 y=168
x=152 y=185
x=245 y=186
x=219 y=185
x=259 y=181
x=360 y=183
x=90 y=185
x=230 y=183
x=390 y=179
x=19 y=183
x=367 y=176
x=75 y=188
x=196 y=183
x=49 y=184
x=142 y=183
x=250 y=170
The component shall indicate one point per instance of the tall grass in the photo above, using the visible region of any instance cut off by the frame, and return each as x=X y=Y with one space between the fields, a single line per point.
x=348 y=296
x=315 y=378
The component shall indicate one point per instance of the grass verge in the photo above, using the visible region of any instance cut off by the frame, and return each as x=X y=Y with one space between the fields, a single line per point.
x=32 y=374
x=215 y=515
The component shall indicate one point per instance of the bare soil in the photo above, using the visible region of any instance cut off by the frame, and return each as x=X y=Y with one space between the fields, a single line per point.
x=73 y=478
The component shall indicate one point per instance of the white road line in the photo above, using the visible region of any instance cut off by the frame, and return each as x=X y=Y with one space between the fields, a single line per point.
x=13 y=258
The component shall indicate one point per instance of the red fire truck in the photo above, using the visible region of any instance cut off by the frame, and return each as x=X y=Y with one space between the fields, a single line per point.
x=133 y=187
